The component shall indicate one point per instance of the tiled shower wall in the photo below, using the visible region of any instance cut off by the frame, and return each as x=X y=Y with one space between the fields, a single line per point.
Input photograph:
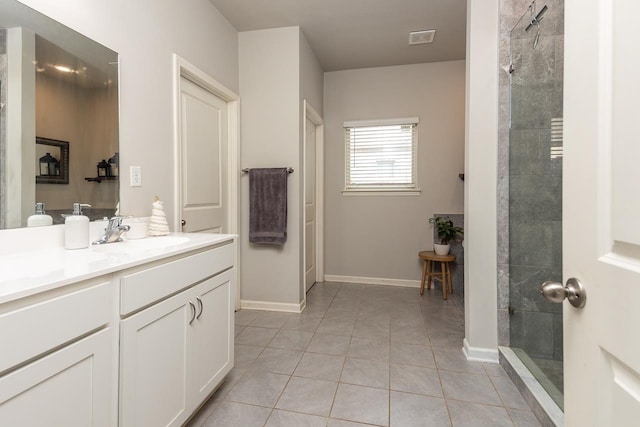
x=530 y=252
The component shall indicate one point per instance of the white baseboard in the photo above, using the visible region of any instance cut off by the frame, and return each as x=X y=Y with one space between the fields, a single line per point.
x=372 y=281
x=479 y=354
x=272 y=306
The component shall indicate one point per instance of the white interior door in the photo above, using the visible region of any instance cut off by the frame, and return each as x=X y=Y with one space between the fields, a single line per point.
x=601 y=212
x=204 y=187
x=310 y=189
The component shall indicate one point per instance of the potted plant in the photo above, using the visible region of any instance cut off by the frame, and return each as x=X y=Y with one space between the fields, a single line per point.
x=446 y=232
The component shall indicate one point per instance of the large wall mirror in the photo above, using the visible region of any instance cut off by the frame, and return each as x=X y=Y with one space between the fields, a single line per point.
x=55 y=85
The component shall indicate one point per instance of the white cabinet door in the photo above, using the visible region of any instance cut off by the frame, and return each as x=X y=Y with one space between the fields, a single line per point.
x=70 y=387
x=153 y=364
x=212 y=344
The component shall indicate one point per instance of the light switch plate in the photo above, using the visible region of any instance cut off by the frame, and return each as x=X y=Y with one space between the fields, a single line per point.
x=136 y=176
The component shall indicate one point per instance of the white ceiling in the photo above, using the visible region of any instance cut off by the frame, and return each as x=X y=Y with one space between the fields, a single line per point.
x=348 y=34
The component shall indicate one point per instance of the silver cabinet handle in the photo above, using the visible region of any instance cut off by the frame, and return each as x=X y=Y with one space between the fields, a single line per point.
x=574 y=291
x=201 y=307
x=193 y=315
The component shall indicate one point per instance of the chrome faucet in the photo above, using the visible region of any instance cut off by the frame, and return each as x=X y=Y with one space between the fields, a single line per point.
x=113 y=232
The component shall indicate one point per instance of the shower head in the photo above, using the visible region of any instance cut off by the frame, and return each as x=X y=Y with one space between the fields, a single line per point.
x=536 y=39
x=536 y=19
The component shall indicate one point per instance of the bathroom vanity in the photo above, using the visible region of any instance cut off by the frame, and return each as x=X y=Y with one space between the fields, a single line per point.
x=137 y=333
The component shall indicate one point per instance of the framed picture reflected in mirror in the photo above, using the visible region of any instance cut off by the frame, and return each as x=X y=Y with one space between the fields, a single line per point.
x=52 y=161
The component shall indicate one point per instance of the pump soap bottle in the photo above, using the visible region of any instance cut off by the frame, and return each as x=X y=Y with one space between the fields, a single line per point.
x=39 y=218
x=76 y=228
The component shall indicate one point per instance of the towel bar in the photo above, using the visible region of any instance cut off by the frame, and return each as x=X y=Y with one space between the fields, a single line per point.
x=246 y=170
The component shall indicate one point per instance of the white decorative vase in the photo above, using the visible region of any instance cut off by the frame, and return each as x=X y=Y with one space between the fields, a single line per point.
x=441 y=249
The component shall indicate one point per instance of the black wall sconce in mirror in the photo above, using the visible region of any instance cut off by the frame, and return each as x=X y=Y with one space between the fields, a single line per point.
x=52 y=161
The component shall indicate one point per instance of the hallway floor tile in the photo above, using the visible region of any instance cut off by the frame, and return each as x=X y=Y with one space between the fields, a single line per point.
x=361 y=355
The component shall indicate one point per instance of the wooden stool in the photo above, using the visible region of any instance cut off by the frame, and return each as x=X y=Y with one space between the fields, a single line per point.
x=444 y=276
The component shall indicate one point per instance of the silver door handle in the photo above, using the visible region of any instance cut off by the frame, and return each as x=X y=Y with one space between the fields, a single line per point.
x=193 y=312
x=573 y=291
x=201 y=307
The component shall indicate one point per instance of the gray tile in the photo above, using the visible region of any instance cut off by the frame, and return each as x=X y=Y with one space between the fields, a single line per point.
x=443 y=339
x=277 y=361
x=535 y=198
x=259 y=388
x=329 y=344
x=342 y=423
x=245 y=317
x=308 y=396
x=494 y=370
x=314 y=311
x=412 y=354
x=256 y=336
x=523 y=418
x=509 y=394
x=412 y=321
x=530 y=243
x=371 y=330
x=320 y=366
x=361 y=404
x=302 y=323
x=415 y=379
x=237 y=329
x=366 y=372
x=411 y=410
x=245 y=355
x=454 y=360
x=291 y=339
x=268 y=319
x=469 y=387
x=362 y=348
x=409 y=335
x=465 y=414
x=236 y=414
x=280 y=418
x=336 y=326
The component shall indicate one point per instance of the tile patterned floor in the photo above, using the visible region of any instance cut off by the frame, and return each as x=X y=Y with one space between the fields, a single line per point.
x=361 y=355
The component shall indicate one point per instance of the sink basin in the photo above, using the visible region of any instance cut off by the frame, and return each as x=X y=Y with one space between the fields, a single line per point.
x=142 y=245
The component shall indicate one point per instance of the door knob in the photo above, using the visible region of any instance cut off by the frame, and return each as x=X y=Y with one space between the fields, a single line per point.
x=183 y=222
x=573 y=291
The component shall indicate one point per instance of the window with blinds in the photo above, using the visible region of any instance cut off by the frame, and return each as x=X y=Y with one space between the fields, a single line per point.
x=381 y=155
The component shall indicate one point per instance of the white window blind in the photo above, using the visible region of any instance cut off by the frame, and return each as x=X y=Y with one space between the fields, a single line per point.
x=381 y=155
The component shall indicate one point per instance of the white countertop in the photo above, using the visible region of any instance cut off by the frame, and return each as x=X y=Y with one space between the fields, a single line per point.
x=29 y=272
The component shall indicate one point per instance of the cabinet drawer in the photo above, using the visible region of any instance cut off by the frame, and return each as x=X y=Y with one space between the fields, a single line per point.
x=37 y=328
x=145 y=287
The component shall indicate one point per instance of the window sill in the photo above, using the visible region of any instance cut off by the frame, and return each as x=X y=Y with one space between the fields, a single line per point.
x=383 y=192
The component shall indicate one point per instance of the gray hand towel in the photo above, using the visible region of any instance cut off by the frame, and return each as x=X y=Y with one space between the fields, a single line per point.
x=268 y=205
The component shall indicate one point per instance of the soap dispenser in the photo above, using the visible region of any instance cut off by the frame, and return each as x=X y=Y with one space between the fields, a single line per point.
x=76 y=228
x=39 y=218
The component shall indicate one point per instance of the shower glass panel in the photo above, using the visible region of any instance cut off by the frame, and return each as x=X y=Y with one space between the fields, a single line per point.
x=535 y=190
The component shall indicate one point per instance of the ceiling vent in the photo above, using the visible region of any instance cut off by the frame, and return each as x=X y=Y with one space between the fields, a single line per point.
x=421 y=37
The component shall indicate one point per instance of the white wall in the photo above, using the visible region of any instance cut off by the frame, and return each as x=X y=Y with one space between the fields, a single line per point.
x=269 y=89
x=380 y=236
x=481 y=134
x=146 y=33
x=311 y=90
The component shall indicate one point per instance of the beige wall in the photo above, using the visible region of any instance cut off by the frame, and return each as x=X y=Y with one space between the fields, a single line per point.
x=380 y=236
x=146 y=33
x=278 y=70
x=91 y=138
